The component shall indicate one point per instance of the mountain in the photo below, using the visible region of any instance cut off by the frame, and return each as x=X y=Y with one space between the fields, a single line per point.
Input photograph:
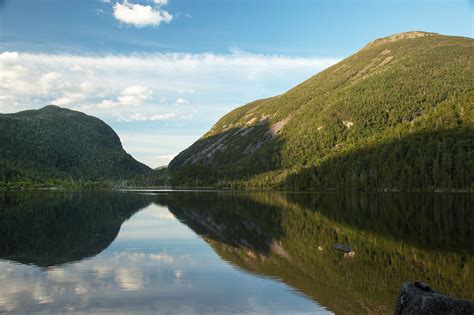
x=398 y=114
x=54 y=142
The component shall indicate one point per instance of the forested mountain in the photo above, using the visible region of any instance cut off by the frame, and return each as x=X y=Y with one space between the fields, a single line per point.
x=54 y=142
x=398 y=114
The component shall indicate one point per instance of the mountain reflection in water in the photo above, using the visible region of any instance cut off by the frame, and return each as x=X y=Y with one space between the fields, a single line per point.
x=122 y=252
x=396 y=238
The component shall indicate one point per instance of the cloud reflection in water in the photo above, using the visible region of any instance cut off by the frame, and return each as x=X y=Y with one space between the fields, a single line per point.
x=155 y=265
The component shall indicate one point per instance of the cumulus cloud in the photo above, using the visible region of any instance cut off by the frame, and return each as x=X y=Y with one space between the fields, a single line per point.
x=131 y=96
x=141 y=15
x=161 y=2
x=134 y=95
x=8 y=58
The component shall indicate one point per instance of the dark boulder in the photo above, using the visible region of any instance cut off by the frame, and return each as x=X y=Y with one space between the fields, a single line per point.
x=419 y=298
x=343 y=248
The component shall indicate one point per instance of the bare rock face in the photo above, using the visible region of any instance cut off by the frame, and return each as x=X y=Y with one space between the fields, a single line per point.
x=399 y=36
x=419 y=298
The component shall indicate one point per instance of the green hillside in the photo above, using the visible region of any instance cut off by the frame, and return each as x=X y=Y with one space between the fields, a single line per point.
x=59 y=143
x=398 y=114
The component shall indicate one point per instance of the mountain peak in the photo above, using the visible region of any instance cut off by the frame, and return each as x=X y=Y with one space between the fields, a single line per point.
x=399 y=36
x=50 y=107
x=56 y=142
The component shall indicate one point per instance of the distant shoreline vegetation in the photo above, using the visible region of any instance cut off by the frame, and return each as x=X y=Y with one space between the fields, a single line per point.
x=160 y=183
x=79 y=184
x=155 y=179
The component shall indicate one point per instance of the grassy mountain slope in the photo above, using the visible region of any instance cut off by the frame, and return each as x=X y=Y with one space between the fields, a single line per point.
x=54 y=142
x=397 y=114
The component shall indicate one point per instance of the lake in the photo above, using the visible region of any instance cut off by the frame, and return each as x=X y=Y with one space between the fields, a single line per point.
x=178 y=252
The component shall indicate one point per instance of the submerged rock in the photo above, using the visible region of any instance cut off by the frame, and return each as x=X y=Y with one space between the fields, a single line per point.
x=343 y=248
x=419 y=298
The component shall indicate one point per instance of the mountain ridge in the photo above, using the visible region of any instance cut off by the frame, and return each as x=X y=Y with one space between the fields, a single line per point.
x=403 y=84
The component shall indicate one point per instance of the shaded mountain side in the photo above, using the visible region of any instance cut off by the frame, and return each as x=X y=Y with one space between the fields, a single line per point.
x=278 y=235
x=442 y=159
x=52 y=228
x=394 y=88
x=234 y=168
x=54 y=142
x=427 y=221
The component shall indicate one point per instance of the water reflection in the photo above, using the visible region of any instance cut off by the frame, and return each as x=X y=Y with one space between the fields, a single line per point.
x=396 y=237
x=208 y=252
x=47 y=229
x=155 y=264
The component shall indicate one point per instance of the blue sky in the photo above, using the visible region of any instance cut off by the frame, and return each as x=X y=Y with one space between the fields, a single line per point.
x=162 y=72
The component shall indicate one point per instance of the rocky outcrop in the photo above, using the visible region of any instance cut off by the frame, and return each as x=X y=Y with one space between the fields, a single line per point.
x=419 y=298
x=397 y=37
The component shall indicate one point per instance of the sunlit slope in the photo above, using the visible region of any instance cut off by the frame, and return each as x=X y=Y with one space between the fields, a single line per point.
x=55 y=142
x=396 y=114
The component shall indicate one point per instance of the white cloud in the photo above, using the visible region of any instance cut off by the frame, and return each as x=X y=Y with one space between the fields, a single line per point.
x=8 y=58
x=106 y=104
x=128 y=117
x=131 y=88
x=181 y=101
x=161 y=2
x=140 y=15
x=134 y=95
x=64 y=100
x=147 y=80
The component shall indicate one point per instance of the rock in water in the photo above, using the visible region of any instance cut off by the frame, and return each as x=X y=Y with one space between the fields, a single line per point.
x=419 y=298
x=343 y=248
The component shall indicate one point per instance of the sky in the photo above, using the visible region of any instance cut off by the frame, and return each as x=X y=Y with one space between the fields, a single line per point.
x=162 y=72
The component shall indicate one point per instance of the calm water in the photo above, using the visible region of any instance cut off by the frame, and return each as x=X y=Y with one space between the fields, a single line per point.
x=228 y=253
